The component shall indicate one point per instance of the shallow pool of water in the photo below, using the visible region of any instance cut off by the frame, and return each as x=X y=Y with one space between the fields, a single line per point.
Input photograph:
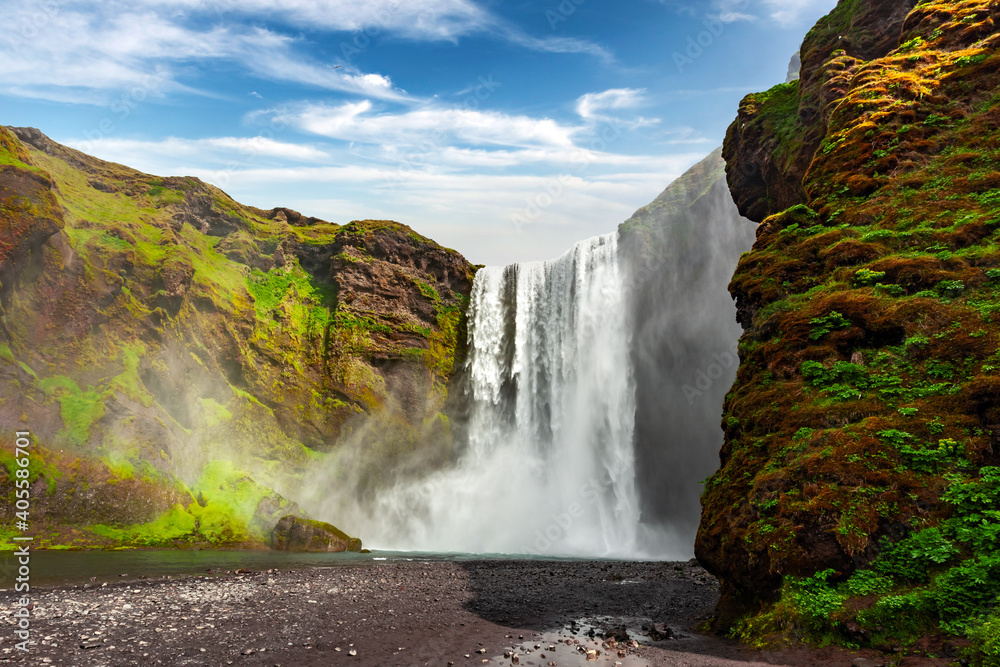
x=55 y=568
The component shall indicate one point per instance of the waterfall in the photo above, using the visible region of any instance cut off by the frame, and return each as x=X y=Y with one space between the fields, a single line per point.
x=548 y=466
x=550 y=463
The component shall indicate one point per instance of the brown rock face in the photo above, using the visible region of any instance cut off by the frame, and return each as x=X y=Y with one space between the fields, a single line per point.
x=29 y=215
x=294 y=533
x=771 y=144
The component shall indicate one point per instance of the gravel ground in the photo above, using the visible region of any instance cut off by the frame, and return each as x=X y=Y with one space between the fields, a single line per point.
x=394 y=615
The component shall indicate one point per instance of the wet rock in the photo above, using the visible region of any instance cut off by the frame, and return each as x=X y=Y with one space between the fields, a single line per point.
x=294 y=533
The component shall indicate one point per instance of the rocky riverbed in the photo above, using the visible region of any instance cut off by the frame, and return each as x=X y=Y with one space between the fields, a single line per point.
x=394 y=614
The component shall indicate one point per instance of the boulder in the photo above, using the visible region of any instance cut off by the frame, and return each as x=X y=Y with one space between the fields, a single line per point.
x=293 y=533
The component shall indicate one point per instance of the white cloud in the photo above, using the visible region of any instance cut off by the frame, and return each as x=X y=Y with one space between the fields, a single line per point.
x=786 y=13
x=50 y=46
x=590 y=105
x=415 y=19
x=476 y=212
x=91 y=48
x=425 y=20
x=170 y=156
x=432 y=127
x=792 y=12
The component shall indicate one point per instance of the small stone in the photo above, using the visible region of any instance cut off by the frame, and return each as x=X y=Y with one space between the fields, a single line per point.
x=352 y=652
x=592 y=654
x=482 y=650
x=865 y=662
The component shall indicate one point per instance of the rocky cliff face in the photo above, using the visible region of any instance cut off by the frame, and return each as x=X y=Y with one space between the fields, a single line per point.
x=678 y=255
x=165 y=342
x=859 y=489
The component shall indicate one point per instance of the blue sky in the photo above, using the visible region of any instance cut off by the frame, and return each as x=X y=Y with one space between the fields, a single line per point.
x=507 y=130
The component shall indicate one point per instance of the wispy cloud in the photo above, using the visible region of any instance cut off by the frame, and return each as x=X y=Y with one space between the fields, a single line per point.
x=171 y=155
x=422 y=20
x=89 y=46
x=591 y=105
x=360 y=122
x=786 y=13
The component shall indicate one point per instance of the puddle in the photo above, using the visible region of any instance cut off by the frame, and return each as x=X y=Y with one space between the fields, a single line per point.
x=592 y=641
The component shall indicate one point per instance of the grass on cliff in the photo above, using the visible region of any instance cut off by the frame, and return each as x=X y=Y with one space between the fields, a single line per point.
x=940 y=578
x=863 y=421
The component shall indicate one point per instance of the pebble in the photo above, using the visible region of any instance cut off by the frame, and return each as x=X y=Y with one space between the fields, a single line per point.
x=865 y=662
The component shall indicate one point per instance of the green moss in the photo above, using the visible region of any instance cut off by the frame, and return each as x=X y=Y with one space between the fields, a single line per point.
x=120 y=467
x=777 y=110
x=6 y=354
x=80 y=408
x=38 y=467
x=222 y=512
x=27 y=369
x=214 y=413
x=165 y=196
x=13 y=153
x=174 y=524
x=231 y=497
x=128 y=381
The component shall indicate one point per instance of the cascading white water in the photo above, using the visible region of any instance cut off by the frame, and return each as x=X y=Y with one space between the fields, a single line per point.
x=549 y=464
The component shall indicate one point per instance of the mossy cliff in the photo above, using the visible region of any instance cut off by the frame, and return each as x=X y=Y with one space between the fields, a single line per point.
x=180 y=358
x=858 y=498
